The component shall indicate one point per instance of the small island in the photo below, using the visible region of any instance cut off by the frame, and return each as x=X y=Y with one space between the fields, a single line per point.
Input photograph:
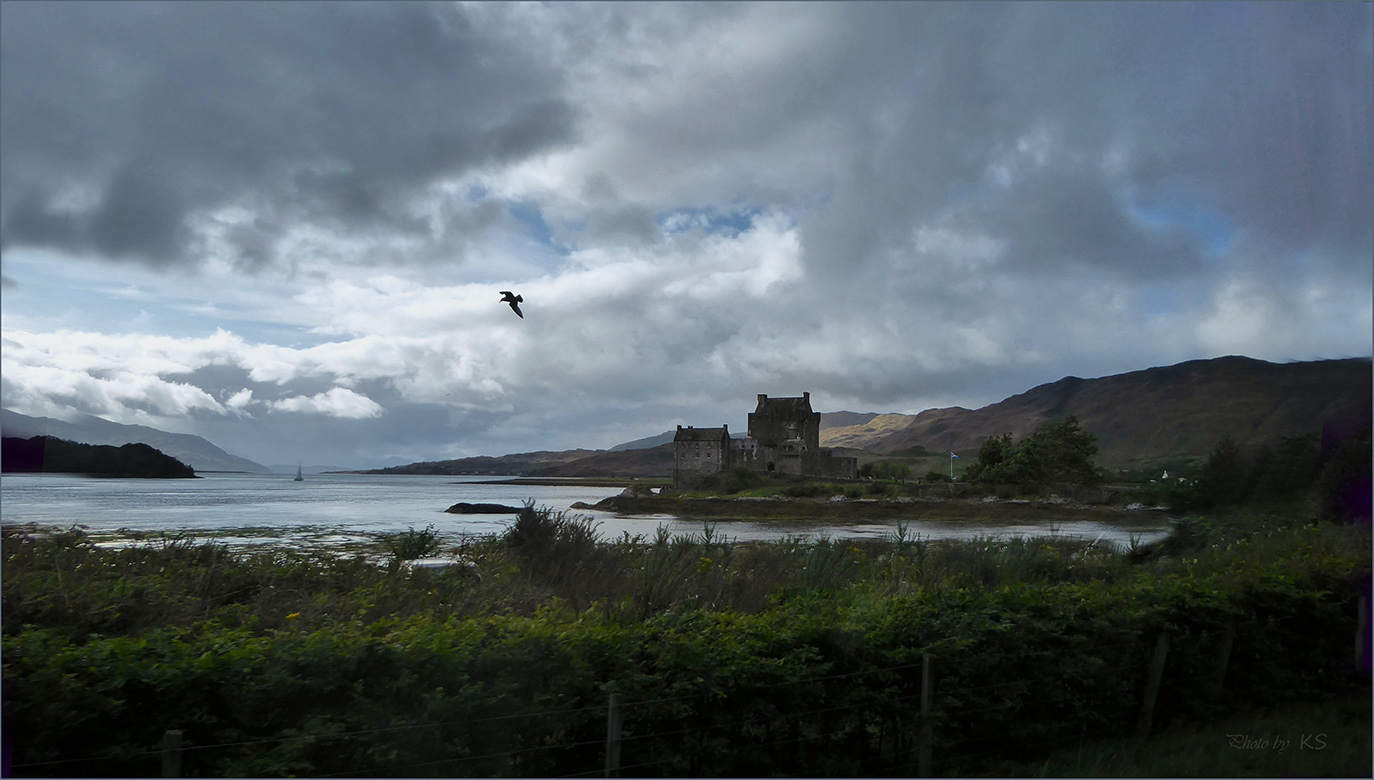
x=464 y=508
x=50 y=455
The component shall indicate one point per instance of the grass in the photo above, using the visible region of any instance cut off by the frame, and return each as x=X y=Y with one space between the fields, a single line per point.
x=66 y=579
x=1313 y=739
x=712 y=627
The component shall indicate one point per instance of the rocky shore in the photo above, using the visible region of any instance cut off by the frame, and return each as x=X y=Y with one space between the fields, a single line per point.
x=839 y=509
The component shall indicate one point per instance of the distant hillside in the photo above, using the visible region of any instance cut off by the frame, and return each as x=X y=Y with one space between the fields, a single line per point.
x=48 y=455
x=1146 y=417
x=865 y=432
x=191 y=450
x=844 y=420
x=648 y=442
x=520 y=464
x=651 y=462
x=828 y=420
x=1141 y=418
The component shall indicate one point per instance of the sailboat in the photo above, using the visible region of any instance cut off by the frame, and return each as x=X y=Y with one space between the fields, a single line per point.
x=299 y=478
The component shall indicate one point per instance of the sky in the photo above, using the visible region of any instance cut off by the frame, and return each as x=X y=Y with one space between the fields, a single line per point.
x=285 y=226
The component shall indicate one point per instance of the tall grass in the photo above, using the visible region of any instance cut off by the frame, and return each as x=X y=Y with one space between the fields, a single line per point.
x=719 y=642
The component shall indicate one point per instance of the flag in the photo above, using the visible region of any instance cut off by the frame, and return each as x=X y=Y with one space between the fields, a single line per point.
x=952 y=455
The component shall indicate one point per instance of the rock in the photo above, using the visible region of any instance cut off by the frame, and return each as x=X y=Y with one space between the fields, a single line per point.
x=463 y=508
x=461 y=563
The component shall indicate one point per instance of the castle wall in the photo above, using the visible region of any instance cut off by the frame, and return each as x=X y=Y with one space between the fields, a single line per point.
x=784 y=438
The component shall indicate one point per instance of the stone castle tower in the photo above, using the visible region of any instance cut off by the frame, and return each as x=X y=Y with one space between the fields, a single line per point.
x=784 y=438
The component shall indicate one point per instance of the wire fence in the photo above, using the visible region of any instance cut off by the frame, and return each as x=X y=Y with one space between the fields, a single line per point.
x=878 y=721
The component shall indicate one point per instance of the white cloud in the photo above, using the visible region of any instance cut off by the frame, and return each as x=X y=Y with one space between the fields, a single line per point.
x=338 y=402
x=886 y=204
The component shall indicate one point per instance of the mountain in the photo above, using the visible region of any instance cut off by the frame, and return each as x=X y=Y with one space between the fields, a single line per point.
x=306 y=468
x=846 y=419
x=864 y=432
x=519 y=464
x=646 y=443
x=828 y=420
x=191 y=450
x=644 y=462
x=1147 y=417
x=50 y=455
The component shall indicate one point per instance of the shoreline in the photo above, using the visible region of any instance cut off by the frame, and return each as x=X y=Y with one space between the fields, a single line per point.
x=979 y=510
x=576 y=481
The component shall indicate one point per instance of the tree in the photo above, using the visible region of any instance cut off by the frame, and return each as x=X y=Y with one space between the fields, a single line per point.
x=1054 y=453
x=991 y=455
x=1224 y=478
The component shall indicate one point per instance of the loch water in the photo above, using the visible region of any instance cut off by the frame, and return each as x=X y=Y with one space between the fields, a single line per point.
x=328 y=508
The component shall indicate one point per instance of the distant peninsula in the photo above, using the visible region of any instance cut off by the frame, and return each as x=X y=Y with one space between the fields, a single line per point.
x=46 y=454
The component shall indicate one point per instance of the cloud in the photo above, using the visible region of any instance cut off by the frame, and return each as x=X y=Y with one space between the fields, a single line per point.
x=189 y=129
x=888 y=205
x=338 y=402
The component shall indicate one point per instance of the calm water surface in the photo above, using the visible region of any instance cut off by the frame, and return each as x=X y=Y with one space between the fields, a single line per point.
x=329 y=508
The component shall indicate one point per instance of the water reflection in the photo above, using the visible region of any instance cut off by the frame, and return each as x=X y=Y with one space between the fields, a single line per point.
x=341 y=509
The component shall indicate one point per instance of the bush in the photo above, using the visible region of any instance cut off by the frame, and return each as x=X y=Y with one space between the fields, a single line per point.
x=411 y=544
x=787 y=658
x=545 y=535
x=1054 y=453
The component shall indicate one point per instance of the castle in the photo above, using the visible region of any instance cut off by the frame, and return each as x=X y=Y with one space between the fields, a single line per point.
x=784 y=438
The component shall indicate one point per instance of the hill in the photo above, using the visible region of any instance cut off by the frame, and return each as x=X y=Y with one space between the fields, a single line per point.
x=648 y=442
x=189 y=449
x=1141 y=419
x=828 y=420
x=652 y=462
x=45 y=454
x=861 y=434
x=1151 y=416
x=519 y=464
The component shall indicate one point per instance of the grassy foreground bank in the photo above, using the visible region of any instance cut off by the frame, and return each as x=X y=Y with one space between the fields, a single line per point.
x=728 y=659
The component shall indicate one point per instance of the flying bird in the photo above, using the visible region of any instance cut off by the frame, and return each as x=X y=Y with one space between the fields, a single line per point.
x=513 y=300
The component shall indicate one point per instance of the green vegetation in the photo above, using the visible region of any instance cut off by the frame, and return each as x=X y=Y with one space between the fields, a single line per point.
x=410 y=544
x=1293 y=474
x=1054 y=454
x=1329 y=739
x=885 y=469
x=732 y=658
x=52 y=455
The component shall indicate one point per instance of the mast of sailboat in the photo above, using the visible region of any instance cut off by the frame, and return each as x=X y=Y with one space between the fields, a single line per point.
x=299 y=478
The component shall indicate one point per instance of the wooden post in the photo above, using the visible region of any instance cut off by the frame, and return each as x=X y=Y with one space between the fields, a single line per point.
x=1361 y=624
x=613 y=736
x=1224 y=657
x=1128 y=656
x=927 y=727
x=1147 y=707
x=171 y=753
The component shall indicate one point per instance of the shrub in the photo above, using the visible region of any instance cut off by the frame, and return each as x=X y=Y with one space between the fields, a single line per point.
x=411 y=544
x=1054 y=453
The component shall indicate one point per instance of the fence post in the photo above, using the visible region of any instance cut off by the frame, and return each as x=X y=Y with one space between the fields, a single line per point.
x=613 y=736
x=1129 y=656
x=1224 y=657
x=1361 y=624
x=927 y=727
x=1147 y=707
x=171 y=753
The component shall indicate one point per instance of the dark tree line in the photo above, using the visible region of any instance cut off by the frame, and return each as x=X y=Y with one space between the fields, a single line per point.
x=1058 y=453
x=59 y=456
x=1336 y=476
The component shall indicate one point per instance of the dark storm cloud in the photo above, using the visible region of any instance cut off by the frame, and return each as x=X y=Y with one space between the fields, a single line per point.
x=123 y=121
x=1259 y=113
x=949 y=202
